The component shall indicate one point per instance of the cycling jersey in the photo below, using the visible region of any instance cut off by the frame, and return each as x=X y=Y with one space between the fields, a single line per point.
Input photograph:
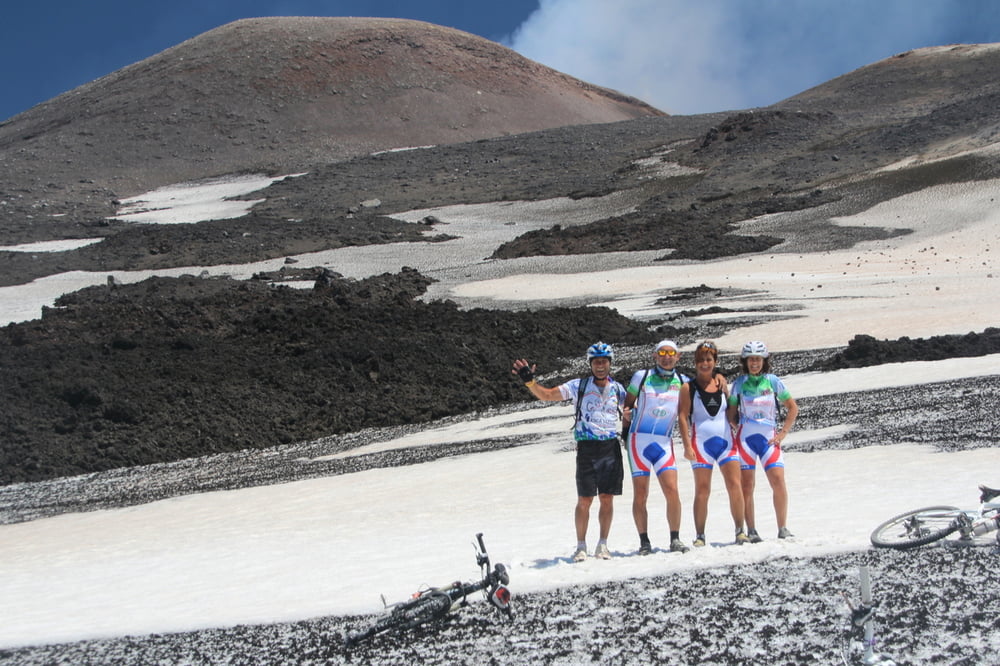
x=757 y=397
x=650 y=442
x=600 y=408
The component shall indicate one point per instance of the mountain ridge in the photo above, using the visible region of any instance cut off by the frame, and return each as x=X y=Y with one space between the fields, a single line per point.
x=287 y=93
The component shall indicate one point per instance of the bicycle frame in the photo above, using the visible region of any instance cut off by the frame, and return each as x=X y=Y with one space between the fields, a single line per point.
x=976 y=523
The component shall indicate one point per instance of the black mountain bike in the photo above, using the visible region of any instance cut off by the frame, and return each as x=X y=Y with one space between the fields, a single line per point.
x=437 y=603
x=923 y=526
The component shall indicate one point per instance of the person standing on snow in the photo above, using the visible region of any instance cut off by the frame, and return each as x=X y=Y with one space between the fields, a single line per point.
x=650 y=413
x=708 y=439
x=599 y=469
x=753 y=409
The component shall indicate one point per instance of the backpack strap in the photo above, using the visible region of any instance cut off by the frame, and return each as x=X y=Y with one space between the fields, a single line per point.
x=642 y=383
x=777 y=403
x=581 y=390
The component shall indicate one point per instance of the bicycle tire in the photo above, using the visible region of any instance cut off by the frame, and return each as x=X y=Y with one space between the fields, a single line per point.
x=425 y=608
x=428 y=607
x=916 y=528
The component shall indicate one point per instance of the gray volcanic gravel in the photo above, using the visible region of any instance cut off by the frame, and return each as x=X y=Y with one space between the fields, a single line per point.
x=936 y=605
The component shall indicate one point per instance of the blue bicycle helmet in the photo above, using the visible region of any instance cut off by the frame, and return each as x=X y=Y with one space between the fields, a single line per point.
x=600 y=350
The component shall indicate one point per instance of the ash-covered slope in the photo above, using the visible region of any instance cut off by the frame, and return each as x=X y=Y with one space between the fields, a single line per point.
x=278 y=95
x=925 y=114
x=909 y=84
x=826 y=153
x=923 y=118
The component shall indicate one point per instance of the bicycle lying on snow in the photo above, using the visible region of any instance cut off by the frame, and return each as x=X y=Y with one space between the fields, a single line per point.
x=923 y=526
x=437 y=603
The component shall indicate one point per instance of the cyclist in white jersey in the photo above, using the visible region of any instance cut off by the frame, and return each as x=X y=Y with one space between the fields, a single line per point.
x=650 y=414
x=708 y=439
x=598 y=401
x=753 y=409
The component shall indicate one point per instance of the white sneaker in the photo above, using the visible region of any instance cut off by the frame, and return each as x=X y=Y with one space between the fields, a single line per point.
x=602 y=552
x=580 y=555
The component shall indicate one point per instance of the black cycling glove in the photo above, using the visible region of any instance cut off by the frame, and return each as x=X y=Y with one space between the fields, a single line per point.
x=525 y=373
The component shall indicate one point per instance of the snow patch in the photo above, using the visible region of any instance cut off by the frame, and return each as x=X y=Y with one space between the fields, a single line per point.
x=188 y=203
x=51 y=246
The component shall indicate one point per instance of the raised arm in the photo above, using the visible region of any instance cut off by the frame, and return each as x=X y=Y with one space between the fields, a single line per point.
x=526 y=373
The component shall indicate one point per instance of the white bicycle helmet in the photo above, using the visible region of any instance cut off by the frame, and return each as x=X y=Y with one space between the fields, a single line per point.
x=754 y=348
x=600 y=350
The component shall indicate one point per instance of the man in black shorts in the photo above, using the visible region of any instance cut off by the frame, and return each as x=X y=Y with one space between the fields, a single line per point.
x=599 y=470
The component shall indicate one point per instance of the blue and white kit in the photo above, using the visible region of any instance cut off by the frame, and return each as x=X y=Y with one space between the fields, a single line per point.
x=650 y=442
x=757 y=397
x=711 y=435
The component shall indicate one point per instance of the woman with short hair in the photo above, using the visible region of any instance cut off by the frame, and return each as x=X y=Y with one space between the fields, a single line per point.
x=708 y=439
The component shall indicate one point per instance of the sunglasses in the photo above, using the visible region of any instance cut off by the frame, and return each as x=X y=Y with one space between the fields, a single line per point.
x=666 y=352
x=708 y=345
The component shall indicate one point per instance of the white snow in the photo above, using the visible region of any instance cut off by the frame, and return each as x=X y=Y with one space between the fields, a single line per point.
x=187 y=203
x=334 y=545
x=402 y=150
x=51 y=246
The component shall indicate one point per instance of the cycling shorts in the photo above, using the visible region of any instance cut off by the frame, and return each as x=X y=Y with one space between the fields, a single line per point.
x=754 y=445
x=714 y=450
x=650 y=454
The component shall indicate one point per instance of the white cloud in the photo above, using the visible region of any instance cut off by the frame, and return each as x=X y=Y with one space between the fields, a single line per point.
x=731 y=54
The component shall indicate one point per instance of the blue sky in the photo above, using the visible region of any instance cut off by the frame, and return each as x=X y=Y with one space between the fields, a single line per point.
x=682 y=56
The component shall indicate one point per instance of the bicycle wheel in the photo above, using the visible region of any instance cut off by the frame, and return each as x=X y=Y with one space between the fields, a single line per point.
x=916 y=528
x=425 y=608
x=407 y=615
